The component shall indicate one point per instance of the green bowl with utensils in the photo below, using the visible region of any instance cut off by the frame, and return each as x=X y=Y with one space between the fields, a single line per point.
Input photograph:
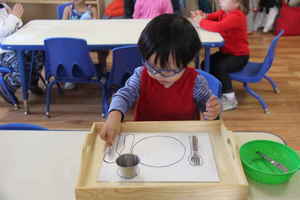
x=269 y=162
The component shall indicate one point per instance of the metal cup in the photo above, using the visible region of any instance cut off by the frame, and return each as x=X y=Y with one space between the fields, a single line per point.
x=128 y=165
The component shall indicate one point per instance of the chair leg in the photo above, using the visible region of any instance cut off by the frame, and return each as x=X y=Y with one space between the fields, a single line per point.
x=274 y=86
x=260 y=99
x=103 y=93
x=48 y=98
x=31 y=66
x=10 y=97
x=105 y=102
x=43 y=80
x=59 y=89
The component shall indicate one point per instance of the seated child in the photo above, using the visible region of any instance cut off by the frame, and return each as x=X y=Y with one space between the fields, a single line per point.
x=10 y=21
x=115 y=10
x=149 y=9
x=79 y=10
x=164 y=88
x=231 y=23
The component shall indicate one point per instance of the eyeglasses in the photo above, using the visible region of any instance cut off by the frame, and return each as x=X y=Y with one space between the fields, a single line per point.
x=167 y=73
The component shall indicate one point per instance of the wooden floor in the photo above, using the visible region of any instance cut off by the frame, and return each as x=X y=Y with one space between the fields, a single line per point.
x=78 y=109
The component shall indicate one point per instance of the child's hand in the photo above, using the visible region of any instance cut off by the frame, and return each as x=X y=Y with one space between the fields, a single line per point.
x=17 y=10
x=111 y=128
x=213 y=108
x=198 y=13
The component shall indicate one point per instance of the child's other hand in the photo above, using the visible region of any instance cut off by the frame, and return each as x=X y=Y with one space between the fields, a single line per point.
x=213 y=108
x=196 y=13
x=17 y=10
x=111 y=127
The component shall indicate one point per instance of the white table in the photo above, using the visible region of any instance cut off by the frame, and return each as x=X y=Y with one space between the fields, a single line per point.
x=99 y=34
x=39 y=165
x=44 y=165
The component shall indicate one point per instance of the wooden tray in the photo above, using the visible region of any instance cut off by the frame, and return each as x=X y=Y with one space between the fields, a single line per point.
x=233 y=184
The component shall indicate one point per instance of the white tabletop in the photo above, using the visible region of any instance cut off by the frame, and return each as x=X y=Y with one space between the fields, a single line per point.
x=39 y=165
x=96 y=32
x=44 y=165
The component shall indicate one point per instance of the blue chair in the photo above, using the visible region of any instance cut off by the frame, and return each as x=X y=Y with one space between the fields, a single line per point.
x=60 y=10
x=21 y=126
x=125 y=60
x=68 y=60
x=213 y=83
x=254 y=72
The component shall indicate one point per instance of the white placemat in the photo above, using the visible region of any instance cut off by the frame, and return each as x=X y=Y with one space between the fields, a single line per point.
x=164 y=157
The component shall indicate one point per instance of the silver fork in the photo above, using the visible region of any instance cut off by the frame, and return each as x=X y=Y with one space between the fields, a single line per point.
x=195 y=158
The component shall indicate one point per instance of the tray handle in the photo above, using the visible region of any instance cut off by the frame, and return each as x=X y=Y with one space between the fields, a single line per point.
x=233 y=147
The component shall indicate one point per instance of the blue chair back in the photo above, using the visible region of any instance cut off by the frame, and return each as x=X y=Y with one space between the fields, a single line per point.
x=270 y=55
x=213 y=83
x=21 y=126
x=60 y=10
x=125 y=60
x=68 y=59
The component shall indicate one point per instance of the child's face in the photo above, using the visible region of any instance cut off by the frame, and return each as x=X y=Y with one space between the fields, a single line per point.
x=166 y=77
x=228 y=5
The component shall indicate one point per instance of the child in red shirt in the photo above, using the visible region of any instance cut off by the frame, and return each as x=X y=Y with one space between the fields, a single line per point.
x=164 y=88
x=115 y=10
x=231 y=23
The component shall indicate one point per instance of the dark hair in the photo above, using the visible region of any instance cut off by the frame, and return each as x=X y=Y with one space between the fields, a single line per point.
x=170 y=34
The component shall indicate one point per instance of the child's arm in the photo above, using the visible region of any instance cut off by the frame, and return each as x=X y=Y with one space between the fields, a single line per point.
x=230 y=22
x=214 y=16
x=213 y=108
x=67 y=12
x=111 y=127
x=208 y=104
x=9 y=24
x=115 y=9
x=121 y=102
x=211 y=16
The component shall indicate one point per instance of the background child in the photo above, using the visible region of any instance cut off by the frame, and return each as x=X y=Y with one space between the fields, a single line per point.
x=164 y=88
x=151 y=8
x=79 y=10
x=231 y=23
x=10 y=21
x=115 y=10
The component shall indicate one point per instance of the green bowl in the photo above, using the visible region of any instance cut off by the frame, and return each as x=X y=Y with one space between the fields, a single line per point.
x=263 y=171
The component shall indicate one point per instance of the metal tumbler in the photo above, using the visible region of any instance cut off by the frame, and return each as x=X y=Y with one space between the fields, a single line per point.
x=128 y=165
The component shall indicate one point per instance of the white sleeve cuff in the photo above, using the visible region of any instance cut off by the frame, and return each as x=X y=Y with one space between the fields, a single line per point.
x=14 y=20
